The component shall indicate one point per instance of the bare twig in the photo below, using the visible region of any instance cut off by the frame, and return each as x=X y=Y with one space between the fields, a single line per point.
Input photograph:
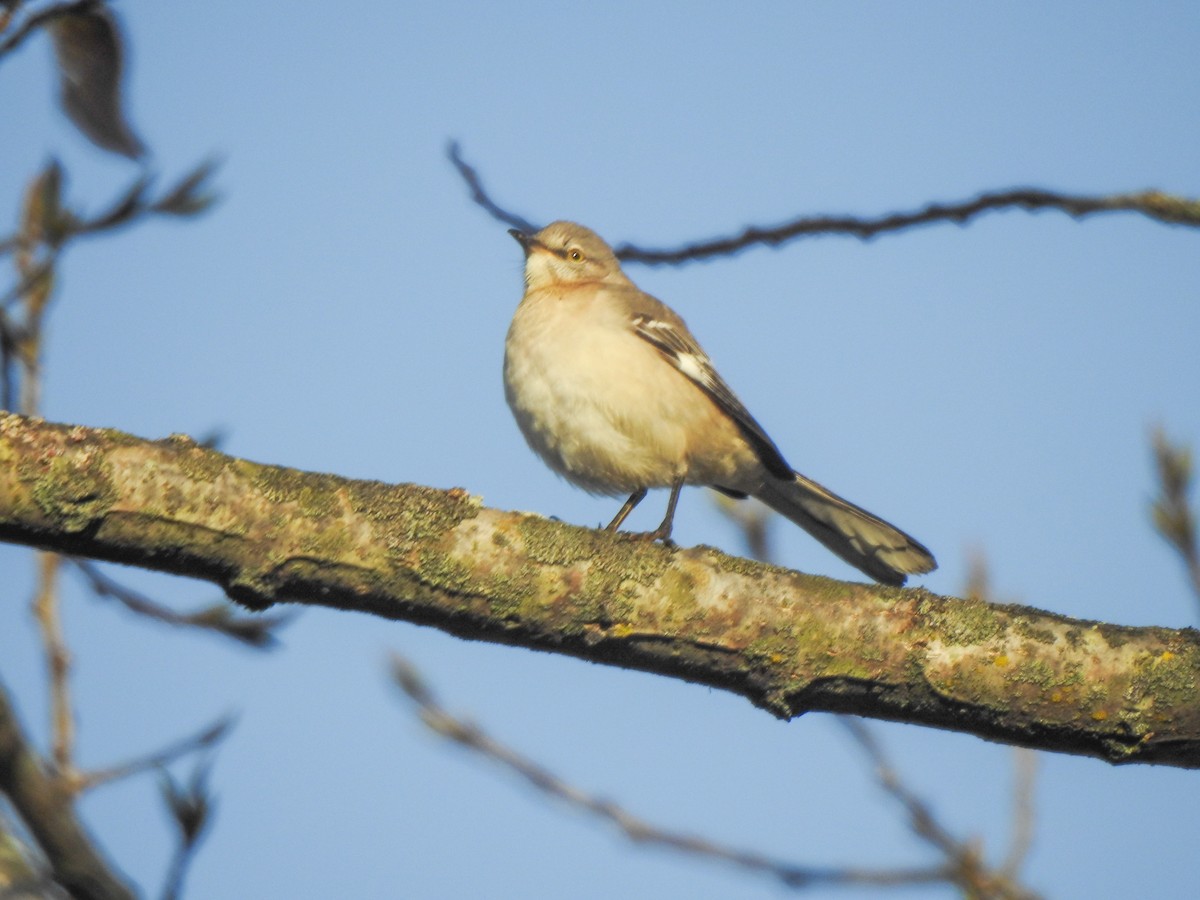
x=189 y=196
x=1153 y=204
x=636 y=829
x=1025 y=765
x=753 y=520
x=923 y=822
x=255 y=631
x=964 y=867
x=47 y=810
x=191 y=807
x=480 y=196
x=39 y=217
x=58 y=660
x=204 y=740
x=979 y=578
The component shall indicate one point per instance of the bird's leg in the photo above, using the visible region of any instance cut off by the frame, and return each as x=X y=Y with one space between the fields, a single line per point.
x=634 y=499
x=663 y=531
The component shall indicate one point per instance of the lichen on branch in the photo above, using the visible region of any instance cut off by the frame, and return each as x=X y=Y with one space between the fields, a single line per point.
x=787 y=641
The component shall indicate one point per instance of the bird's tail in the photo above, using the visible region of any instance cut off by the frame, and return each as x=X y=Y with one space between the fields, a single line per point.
x=865 y=541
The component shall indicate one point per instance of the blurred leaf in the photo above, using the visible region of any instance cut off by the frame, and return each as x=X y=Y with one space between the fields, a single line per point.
x=1171 y=510
x=42 y=218
x=44 y=223
x=190 y=195
x=34 y=290
x=410 y=681
x=1172 y=513
x=90 y=57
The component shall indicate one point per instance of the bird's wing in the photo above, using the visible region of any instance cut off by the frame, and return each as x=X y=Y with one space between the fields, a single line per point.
x=659 y=326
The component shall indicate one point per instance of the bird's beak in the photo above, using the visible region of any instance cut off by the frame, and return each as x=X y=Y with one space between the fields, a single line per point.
x=527 y=241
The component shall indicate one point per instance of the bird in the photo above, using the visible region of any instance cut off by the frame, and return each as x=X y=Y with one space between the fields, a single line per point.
x=609 y=387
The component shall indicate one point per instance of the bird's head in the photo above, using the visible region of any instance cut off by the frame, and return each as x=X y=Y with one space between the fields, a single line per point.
x=567 y=253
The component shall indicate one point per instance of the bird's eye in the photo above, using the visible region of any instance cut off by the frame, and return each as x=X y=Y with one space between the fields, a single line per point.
x=575 y=254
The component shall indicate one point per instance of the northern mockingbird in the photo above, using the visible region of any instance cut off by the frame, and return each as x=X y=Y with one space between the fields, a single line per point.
x=612 y=391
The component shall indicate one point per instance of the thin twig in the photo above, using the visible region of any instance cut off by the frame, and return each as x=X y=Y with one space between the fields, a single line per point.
x=58 y=660
x=480 y=196
x=181 y=859
x=754 y=522
x=636 y=829
x=964 y=863
x=177 y=870
x=1025 y=765
x=203 y=740
x=28 y=352
x=189 y=196
x=191 y=806
x=921 y=818
x=1153 y=204
x=255 y=631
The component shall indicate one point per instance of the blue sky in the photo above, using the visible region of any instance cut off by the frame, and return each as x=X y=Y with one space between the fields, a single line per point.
x=343 y=309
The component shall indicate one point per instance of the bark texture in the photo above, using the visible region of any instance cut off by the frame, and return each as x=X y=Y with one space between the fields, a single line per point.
x=788 y=642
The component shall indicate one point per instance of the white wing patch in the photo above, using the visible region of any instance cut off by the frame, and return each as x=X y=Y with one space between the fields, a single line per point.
x=679 y=348
x=695 y=368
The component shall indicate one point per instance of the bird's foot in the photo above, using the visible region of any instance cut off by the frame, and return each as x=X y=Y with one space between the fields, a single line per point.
x=657 y=534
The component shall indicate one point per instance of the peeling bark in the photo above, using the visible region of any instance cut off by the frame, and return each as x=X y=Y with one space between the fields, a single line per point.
x=788 y=642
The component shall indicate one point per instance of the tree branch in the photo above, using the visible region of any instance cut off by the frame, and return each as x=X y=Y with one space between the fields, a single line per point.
x=480 y=196
x=253 y=631
x=636 y=829
x=1152 y=204
x=160 y=759
x=788 y=642
x=58 y=663
x=964 y=864
x=46 y=806
x=1169 y=208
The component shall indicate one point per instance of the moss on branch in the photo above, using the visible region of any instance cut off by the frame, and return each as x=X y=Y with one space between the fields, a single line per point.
x=789 y=642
